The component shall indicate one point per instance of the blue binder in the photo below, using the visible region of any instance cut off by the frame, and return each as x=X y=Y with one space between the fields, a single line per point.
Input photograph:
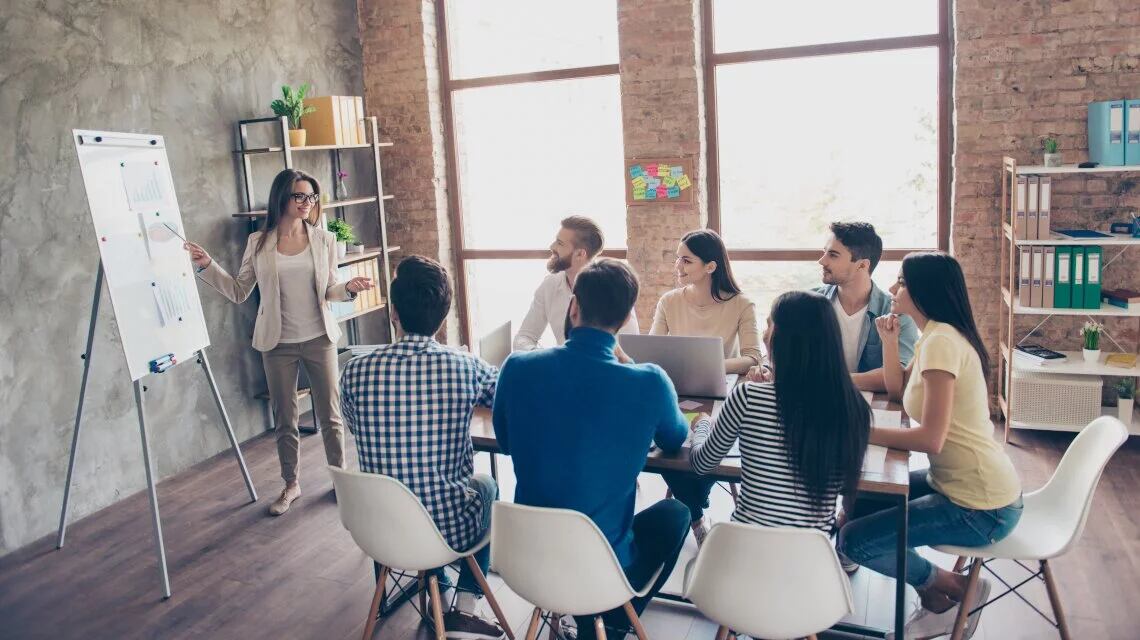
x=1106 y=133
x=1132 y=132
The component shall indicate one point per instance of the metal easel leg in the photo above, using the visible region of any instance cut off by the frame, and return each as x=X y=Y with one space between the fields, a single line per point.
x=150 y=482
x=205 y=362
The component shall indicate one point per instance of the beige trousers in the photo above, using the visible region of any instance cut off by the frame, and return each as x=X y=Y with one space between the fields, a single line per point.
x=319 y=356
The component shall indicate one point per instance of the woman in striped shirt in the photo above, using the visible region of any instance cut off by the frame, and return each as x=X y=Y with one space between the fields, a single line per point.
x=803 y=435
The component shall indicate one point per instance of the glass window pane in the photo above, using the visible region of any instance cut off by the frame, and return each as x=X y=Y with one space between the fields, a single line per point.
x=501 y=290
x=519 y=36
x=742 y=25
x=765 y=281
x=859 y=141
x=532 y=154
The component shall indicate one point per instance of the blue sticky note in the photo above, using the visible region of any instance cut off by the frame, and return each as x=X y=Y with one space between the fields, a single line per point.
x=676 y=172
x=636 y=170
x=653 y=183
x=674 y=192
x=651 y=194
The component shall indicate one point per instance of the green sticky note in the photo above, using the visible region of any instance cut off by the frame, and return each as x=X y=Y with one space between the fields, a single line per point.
x=689 y=417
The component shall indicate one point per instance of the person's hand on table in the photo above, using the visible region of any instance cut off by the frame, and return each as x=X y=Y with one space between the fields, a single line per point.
x=760 y=373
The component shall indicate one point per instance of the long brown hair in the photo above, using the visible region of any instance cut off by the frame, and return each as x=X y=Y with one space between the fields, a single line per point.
x=279 y=195
x=707 y=245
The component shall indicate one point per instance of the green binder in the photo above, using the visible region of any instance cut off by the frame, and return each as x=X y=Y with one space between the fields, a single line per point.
x=1092 y=277
x=1077 y=300
x=1063 y=286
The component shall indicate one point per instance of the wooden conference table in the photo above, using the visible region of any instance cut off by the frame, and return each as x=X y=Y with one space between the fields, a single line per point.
x=885 y=477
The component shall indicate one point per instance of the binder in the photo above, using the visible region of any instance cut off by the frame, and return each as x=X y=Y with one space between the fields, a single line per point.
x=358 y=115
x=1132 y=132
x=1092 y=277
x=323 y=125
x=1019 y=196
x=1025 y=282
x=1078 y=301
x=1106 y=133
x=1031 y=208
x=1063 y=287
x=1044 y=206
x=1047 y=281
x=1038 y=275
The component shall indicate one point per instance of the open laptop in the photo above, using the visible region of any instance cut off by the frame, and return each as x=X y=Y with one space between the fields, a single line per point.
x=496 y=346
x=694 y=364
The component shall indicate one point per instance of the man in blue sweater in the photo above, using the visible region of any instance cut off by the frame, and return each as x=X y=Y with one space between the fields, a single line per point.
x=578 y=424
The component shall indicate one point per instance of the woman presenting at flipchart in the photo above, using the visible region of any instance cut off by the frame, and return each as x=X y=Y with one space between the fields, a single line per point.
x=294 y=263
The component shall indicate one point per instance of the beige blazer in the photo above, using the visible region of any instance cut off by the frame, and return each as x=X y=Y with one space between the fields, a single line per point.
x=261 y=271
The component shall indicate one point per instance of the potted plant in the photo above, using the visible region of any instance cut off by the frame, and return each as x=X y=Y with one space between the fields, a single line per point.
x=292 y=105
x=1125 y=392
x=344 y=235
x=1090 y=334
x=1052 y=158
x=356 y=247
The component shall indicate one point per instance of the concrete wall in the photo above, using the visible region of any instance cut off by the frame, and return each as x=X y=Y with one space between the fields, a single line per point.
x=187 y=70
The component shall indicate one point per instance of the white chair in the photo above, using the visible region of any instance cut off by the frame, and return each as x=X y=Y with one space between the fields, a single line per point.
x=389 y=523
x=1053 y=519
x=559 y=560
x=768 y=582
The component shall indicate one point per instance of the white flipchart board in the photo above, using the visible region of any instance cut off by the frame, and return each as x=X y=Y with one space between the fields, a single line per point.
x=149 y=275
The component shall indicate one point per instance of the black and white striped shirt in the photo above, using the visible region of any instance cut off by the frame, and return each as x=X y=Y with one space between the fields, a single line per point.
x=772 y=494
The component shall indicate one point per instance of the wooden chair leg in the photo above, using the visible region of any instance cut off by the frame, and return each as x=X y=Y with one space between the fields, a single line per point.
x=436 y=606
x=964 y=605
x=532 y=628
x=722 y=633
x=1055 y=599
x=635 y=621
x=482 y=581
x=374 y=607
x=959 y=564
x=599 y=628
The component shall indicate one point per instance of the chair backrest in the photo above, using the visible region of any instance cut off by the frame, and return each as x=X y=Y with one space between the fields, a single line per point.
x=1067 y=498
x=768 y=582
x=389 y=522
x=556 y=559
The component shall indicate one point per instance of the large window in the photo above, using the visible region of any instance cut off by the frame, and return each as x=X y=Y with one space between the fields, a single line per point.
x=825 y=110
x=535 y=137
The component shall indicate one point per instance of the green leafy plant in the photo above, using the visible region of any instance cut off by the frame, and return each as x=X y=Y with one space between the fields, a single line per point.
x=1049 y=144
x=292 y=104
x=343 y=230
x=1126 y=388
x=1090 y=333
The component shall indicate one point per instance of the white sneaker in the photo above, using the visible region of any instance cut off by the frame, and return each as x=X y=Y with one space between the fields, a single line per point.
x=701 y=529
x=925 y=624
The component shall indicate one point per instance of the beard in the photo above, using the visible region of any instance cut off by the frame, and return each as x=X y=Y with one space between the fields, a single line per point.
x=557 y=264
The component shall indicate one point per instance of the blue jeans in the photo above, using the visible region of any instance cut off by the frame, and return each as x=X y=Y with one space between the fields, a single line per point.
x=658 y=535
x=488 y=491
x=693 y=491
x=871 y=540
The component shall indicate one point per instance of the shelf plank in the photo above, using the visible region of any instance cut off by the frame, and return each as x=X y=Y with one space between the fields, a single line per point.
x=1113 y=240
x=1075 y=365
x=369 y=253
x=1039 y=170
x=357 y=314
x=318 y=147
x=261 y=213
x=1105 y=310
x=1133 y=429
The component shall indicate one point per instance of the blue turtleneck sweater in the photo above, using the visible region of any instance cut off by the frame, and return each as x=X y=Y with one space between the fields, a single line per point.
x=578 y=424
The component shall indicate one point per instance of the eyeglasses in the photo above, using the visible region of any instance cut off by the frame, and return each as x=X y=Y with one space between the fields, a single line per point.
x=300 y=198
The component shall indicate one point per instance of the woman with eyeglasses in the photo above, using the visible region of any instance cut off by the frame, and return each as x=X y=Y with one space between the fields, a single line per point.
x=294 y=263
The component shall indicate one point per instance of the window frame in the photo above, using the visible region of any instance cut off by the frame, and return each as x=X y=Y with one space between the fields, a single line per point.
x=711 y=60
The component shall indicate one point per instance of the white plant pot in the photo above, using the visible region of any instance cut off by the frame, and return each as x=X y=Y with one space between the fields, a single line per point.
x=1052 y=159
x=356 y=248
x=342 y=250
x=1124 y=410
x=1091 y=355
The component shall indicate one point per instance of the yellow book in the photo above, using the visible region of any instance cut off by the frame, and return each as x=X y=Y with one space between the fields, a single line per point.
x=1122 y=360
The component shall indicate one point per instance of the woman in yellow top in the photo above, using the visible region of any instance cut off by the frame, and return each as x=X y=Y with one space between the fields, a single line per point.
x=294 y=264
x=971 y=495
x=709 y=302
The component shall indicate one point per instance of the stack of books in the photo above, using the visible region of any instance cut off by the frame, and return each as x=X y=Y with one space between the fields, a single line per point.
x=338 y=120
x=1123 y=298
x=1037 y=355
x=1121 y=360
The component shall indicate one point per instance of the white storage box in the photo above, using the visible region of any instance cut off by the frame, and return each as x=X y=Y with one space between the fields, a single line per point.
x=1055 y=399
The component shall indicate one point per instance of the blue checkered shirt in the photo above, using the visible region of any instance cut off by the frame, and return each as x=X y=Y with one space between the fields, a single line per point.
x=409 y=405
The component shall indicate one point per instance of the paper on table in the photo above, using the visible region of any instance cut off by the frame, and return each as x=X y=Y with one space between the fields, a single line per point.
x=868 y=396
x=688 y=405
x=875 y=457
x=887 y=418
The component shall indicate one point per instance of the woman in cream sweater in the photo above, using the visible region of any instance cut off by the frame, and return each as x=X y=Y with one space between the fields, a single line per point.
x=294 y=263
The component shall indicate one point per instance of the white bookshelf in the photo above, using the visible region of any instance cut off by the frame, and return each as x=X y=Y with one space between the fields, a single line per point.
x=1041 y=170
x=1133 y=428
x=1074 y=365
x=1113 y=240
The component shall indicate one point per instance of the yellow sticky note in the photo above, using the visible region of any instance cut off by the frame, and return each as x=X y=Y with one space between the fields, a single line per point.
x=669 y=181
x=639 y=194
x=638 y=182
x=689 y=417
x=663 y=170
x=684 y=182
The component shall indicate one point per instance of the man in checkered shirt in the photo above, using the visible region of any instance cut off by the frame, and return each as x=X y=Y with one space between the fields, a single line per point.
x=409 y=405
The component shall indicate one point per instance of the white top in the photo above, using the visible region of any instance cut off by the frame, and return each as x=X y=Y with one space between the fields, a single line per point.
x=551 y=301
x=300 y=309
x=850 y=326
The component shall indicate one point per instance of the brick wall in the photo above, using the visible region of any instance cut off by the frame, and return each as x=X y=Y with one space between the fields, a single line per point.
x=662 y=116
x=1025 y=70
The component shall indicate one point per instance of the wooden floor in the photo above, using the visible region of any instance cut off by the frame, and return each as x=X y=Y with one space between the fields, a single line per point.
x=237 y=573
